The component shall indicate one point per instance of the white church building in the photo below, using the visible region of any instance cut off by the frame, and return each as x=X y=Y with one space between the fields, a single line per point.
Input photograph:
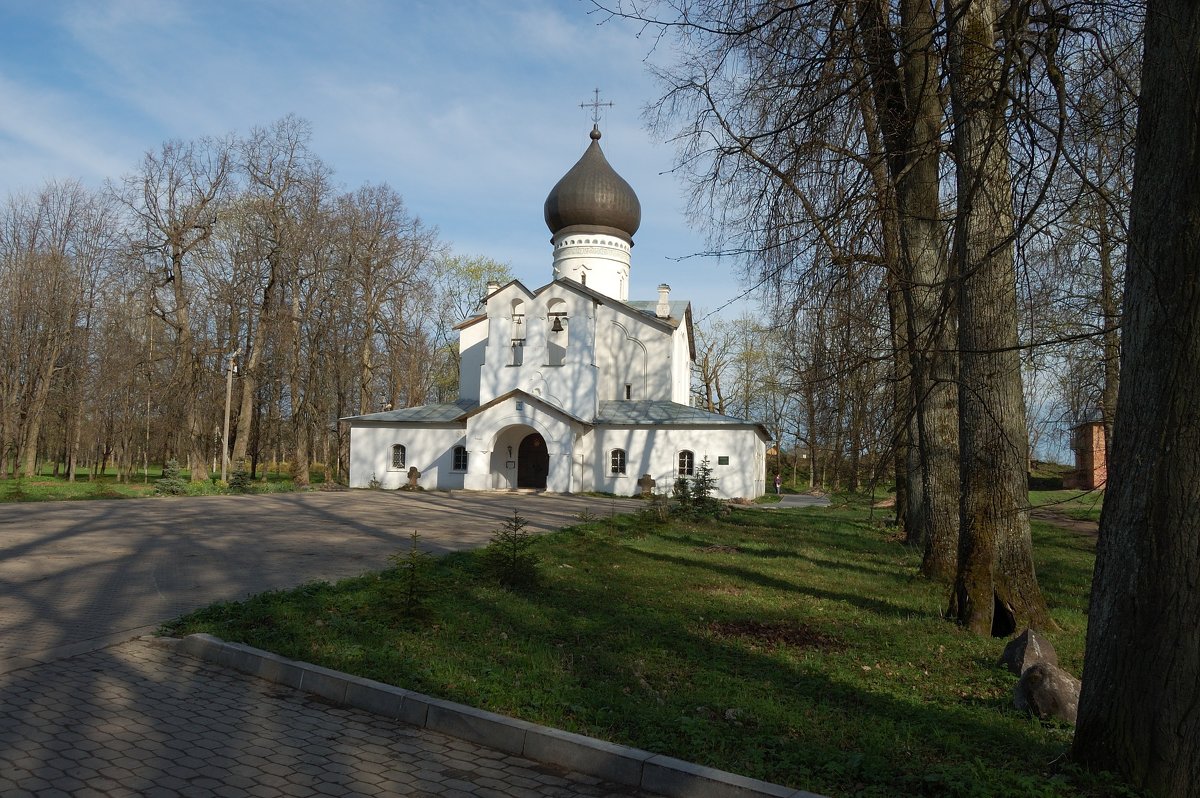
x=570 y=387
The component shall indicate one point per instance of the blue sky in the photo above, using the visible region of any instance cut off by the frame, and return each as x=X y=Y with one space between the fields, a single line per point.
x=469 y=109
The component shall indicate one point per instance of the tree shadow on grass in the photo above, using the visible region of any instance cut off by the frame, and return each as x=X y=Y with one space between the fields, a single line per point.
x=877 y=606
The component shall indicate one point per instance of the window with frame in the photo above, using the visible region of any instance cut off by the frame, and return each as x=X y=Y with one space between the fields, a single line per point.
x=616 y=462
x=460 y=458
x=399 y=454
x=687 y=463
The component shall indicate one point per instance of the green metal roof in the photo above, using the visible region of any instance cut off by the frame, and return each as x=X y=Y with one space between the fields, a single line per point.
x=663 y=413
x=650 y=307
x=426 y=414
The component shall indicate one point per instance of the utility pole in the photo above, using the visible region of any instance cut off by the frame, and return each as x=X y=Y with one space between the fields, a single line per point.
x=232 y=360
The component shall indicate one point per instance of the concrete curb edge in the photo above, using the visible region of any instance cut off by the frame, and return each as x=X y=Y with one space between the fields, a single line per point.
x=616 y=763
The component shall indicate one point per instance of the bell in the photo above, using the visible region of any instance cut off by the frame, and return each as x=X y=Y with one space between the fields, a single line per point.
x=557 y=326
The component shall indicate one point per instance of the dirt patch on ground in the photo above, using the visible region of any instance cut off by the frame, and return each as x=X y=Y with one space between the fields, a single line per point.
x=716 y=549
x=721 y=590
x=772 y=634
x=1065 y=521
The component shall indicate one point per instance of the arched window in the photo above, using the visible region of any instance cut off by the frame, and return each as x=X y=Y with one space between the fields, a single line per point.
x=460 y=458
x=616 y=461
x=398 y=456
x=687 y=463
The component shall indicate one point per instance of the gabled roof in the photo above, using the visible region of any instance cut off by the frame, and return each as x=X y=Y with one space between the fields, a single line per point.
x=478 y=317
x=681 y=313
x=644 y=309
x=517 y=393
x=662 y=413
x=422 y=414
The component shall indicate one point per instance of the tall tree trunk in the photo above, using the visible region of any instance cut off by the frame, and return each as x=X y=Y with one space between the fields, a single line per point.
x=995 y=589
x=1139 y=713
x=905 y=75
x=252 y=369
x=1110 y=308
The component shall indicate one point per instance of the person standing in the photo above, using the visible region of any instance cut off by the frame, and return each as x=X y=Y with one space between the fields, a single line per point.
x=778 y=484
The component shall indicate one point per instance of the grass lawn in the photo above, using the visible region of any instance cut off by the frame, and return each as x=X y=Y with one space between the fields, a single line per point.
x=46 y=487
x=1084 y=505
x=796 y=646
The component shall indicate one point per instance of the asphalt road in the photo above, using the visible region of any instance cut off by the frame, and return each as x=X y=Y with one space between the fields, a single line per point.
x=78 y=575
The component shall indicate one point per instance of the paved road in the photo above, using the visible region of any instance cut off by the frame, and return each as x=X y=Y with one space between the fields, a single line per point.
x=136 y=720
x=789 y=500
x=82 y=717
x=74 y=572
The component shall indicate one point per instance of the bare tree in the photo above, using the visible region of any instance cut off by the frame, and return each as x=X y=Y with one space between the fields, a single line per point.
x=996 y=588
x=174 y=197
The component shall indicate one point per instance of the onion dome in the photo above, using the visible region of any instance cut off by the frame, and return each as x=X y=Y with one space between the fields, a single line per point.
x=593 y=196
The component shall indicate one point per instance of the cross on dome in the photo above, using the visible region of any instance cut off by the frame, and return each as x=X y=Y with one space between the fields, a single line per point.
x=596 y=105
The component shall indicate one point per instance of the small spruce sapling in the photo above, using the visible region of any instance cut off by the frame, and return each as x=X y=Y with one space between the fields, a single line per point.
x=683 y=497
x=416 y=584
x=239 y=480
x=703 y=486
x=172 y=483
x=507 y=557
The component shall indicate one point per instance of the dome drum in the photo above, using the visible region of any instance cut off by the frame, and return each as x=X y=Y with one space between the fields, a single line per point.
x=590 y=229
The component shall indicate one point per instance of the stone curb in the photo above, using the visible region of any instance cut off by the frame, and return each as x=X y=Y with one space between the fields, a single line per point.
x=620 y=764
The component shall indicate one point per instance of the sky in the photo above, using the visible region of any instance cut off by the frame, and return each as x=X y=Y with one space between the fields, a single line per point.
x=469 y=109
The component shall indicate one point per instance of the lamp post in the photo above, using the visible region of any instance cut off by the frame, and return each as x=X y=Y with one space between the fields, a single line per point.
x=232 y=359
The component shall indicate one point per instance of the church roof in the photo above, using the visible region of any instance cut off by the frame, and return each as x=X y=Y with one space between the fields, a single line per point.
x=593 y=195
x=663 y=413
x=518 y=394
x=422 y=414
x=650 y=308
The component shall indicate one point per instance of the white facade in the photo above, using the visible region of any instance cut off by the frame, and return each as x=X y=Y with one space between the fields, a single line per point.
x=571 y=387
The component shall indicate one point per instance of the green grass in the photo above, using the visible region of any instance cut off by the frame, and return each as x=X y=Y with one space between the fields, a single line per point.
x=794 y=646
x=47 y=487
x=1079 y=504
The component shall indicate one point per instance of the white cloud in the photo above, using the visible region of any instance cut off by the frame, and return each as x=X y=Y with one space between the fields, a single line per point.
x=470 y=110
x=43 y=136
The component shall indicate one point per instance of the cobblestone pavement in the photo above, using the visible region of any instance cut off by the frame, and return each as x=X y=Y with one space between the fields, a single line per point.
x=82 y=717
x=139 y=720
x=71 y=572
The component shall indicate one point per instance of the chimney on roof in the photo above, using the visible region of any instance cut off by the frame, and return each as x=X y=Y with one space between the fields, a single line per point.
x=492 y=287
x=663 y=308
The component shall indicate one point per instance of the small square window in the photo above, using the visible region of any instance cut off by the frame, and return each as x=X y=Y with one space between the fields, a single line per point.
x=723 y=459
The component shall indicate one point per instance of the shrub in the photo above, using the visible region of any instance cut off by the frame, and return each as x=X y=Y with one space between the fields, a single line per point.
x=172 y=483
x=682 y=494
x=507 y=557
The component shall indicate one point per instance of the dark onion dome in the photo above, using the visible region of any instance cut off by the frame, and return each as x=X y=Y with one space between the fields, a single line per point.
x=593 y=196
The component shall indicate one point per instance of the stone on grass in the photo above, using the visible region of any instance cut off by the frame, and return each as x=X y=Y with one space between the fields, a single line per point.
x=1048 y=693
x=1027 y=649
